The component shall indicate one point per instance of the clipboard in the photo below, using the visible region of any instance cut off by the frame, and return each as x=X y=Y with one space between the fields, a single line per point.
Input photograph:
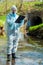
x=19 y=19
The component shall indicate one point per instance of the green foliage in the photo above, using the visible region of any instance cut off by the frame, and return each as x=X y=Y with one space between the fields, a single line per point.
x=30 y=5
x=1 y=23
x=3 y=17
x=25 y=6
x=2 y=20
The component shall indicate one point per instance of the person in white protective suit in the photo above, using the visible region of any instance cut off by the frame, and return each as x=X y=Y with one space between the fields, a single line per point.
x=12 y=31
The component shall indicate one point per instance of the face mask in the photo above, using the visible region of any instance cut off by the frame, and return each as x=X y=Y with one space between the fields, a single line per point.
x=13 y=12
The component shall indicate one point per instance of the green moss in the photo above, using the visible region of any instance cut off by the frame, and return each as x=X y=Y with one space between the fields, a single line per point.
x=35 y=27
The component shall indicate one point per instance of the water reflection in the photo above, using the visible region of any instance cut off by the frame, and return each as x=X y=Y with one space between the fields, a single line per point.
x=10 y=62
x=13 y=61
x=28 y=54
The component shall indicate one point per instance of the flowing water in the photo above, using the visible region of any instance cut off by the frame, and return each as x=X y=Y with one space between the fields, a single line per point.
x=28 y=53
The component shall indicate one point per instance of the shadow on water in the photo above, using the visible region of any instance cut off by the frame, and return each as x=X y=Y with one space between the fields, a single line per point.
x=28 y=54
